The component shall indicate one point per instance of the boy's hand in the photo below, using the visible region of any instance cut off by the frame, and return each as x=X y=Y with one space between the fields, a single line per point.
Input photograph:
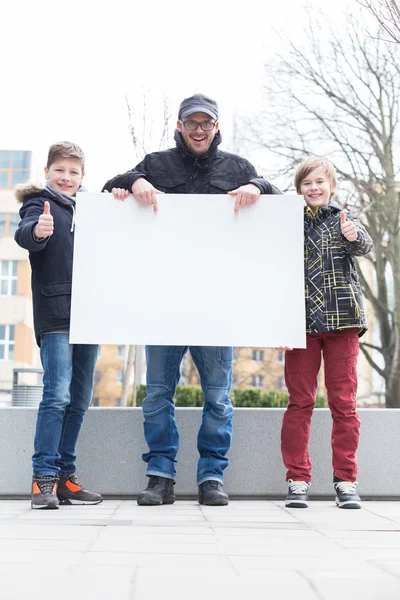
x=145 y=193
x=120 y=193
x=45 y=225
x=349 y=229
x=245 y=195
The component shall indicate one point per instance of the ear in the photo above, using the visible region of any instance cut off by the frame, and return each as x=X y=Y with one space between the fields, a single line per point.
x=216 y=126
x=46 y=172
x=179 y=126
x=333 y=190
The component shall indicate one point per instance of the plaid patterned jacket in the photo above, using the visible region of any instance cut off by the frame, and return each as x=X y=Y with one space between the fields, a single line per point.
x=333 y=292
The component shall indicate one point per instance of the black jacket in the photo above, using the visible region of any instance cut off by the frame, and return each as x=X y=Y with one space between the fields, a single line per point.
x=178 y=171
x=51 y=259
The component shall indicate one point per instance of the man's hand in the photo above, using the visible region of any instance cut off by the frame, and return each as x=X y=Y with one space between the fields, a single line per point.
x=349 y=229
x=285 y=348
x=45 y=225
x=245 y=195
x=145 y=193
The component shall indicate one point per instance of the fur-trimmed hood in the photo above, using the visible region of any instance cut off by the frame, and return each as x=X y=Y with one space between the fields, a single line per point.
x=23 y=191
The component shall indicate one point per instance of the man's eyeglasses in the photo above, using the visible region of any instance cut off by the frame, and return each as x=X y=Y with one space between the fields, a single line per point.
x=193 y=125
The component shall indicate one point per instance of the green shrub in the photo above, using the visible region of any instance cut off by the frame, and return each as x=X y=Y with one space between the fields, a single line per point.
x=192 y=395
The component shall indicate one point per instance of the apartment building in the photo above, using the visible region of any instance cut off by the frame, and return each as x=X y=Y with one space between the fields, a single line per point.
x=18 y=348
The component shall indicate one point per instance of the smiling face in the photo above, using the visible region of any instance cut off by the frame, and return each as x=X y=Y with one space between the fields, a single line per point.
x=317 y=189
x=65 y=175
x=198 y=141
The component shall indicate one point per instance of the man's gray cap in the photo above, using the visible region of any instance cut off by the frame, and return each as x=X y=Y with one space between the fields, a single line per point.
x=198 y=103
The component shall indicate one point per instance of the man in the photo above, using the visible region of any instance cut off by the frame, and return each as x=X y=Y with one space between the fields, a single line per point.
x=194 y=166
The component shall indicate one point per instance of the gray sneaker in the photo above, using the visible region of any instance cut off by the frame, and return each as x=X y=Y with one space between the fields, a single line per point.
x=346 y=494
x=70 y=491
x=44 y=492
x=297 y=496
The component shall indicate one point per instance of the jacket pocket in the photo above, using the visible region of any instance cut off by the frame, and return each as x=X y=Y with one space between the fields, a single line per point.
x=219 y=185
x=170 y=185
x=56 y=299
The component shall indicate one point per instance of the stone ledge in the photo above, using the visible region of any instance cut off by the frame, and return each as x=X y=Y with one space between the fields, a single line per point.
x=111 y=444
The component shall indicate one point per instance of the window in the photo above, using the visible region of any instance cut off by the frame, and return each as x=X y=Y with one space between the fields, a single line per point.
x=7 y=342
x=121 y=352
x=3 y=217
x=236 y=354
x=8 y=277
x=14 y=167
x=281 y=384
x=257 y=381
x=119 y=377
x=258 y=355
x=117 y=402
x=95 y=401
x=13 y=224
x=281 y=357
x=19 y=176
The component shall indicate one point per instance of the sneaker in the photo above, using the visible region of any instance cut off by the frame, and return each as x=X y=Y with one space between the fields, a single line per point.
x=211 y=493
x=44 y=492
x=346 y=494
x=297 y=496
x=70 y=491
x=160 y=490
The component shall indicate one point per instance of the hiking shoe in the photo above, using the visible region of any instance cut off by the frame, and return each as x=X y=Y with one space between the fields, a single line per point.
x=297 y=496
x=70 y=491
x=346 y=494
x=211 y=493
x=44 y=492
x=160 y=490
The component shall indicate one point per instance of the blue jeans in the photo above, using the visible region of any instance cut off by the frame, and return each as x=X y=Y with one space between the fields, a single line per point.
x=67 y=392
x=214 y=438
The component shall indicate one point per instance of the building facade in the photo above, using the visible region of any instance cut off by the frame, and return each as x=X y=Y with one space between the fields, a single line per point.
x=18 y=348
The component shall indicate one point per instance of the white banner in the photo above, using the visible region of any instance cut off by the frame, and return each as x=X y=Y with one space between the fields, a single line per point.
x=193 y=274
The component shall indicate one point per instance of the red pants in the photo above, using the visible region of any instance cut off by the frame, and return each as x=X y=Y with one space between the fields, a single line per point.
x=340 y=351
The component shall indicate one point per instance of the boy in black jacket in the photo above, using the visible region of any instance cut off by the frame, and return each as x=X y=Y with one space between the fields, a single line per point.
x=47 y=231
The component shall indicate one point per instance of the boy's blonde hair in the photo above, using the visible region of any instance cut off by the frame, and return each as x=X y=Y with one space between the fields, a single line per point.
x=65 y=150
x=312 y=163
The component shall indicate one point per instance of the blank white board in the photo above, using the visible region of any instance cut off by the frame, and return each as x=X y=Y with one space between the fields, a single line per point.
x=193 y=274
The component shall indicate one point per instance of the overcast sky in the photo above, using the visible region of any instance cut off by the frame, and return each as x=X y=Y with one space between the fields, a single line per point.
x=66 y=68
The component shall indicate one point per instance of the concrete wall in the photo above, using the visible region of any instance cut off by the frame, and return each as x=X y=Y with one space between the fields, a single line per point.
x=111 y=443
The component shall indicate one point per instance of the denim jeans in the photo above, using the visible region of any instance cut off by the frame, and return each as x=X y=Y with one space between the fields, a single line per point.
x=214 y=364
x=67 y=392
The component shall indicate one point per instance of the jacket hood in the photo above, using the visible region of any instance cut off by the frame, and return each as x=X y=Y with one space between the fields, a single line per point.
x=23 y=191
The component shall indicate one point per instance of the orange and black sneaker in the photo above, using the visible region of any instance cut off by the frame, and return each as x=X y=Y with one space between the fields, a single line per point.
x=70 y=491
x=44 y=492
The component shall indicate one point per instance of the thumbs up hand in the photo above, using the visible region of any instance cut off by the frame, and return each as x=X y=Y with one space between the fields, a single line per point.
x=45 y=225
x=349 y=229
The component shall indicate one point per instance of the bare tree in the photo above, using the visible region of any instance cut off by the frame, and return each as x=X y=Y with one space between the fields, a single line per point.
x=387 y=13
x=142 y=130
x=338 y=95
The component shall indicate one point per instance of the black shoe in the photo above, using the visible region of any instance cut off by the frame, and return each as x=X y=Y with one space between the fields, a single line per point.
x=346 y=494
x=211 y=493
x=70 y=491
x=297 y=496
x=44 y=492
x=160 y=490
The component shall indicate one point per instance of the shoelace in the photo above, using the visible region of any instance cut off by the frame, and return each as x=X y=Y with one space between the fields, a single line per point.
x=74 y=479
x=46 y=483
x=346 y=487
x=213 y=484
x=298 y=487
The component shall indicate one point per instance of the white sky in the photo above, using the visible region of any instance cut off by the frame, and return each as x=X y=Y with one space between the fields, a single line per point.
x=66 y=67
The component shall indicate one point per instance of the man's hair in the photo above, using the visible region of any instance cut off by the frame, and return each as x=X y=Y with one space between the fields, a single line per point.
x=65 y=150
x=310 y=164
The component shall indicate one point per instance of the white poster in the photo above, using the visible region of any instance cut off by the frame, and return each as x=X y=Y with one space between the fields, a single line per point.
x=193 y=274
